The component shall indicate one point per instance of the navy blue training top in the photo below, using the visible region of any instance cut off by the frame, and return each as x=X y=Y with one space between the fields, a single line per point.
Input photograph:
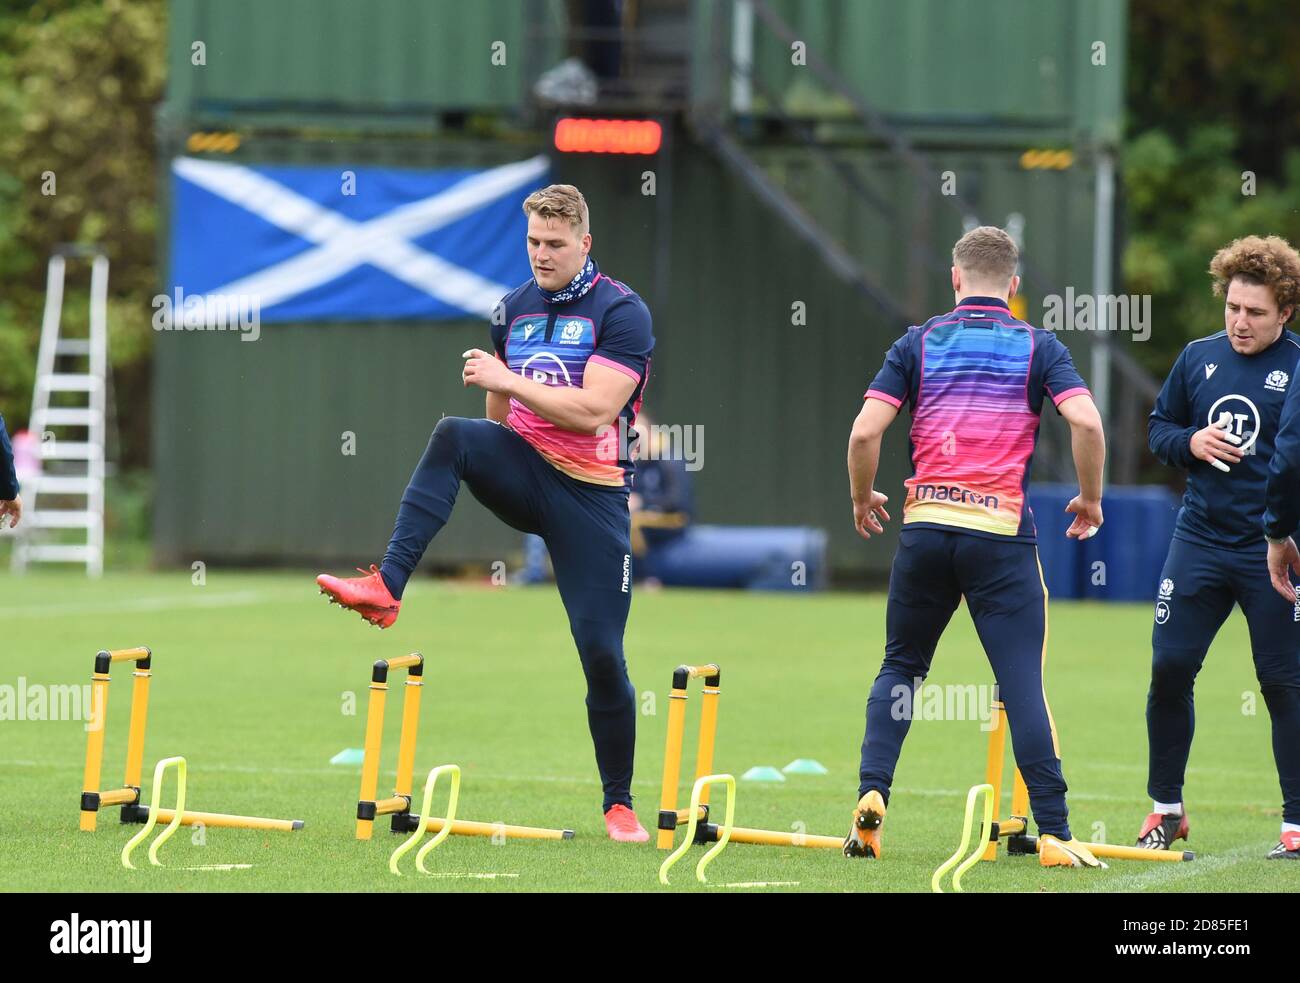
x=8 y=479
x=553 y=344
x=1207 y=381
x=1282 y=495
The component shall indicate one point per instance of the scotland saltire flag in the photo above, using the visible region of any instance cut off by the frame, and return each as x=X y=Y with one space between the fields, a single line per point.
x=434 y=245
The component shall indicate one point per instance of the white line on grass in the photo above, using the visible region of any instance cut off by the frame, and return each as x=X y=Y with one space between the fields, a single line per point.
x=337 y=770
x=169 y=603
x=219 y=867
x=349 y=771
x=1072 y=796
x=486 y=876
x=1198 y=772
x=1185 y=869
x=1138 y=797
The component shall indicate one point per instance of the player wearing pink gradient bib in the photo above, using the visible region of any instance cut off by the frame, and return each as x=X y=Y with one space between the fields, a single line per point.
x=976 y=380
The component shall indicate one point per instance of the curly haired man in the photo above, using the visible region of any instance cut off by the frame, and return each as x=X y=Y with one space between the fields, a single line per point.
x=1217 y=418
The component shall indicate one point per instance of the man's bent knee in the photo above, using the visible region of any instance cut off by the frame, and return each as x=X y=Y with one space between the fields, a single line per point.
x=451 y=429
x=601 y=650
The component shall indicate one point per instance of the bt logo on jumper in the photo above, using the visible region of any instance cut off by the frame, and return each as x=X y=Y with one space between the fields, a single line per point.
x=1239 y=416
x=548 y=369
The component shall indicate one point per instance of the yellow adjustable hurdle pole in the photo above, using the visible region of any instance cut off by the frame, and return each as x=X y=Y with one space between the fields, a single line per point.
x=710 y=832
x=92 y=797
x=708 y=732
x=398 y=805
x=993 y=771
x=367 y=806
x=670 y=817
x=1017 y=823
x=1015 y=828
x=672 y=762
x=225 y=820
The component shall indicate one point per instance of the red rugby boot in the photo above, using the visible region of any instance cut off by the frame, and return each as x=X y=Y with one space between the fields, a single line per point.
x=623 y=826
x=366 y=595
x=1160 y=830
x=1288 y=848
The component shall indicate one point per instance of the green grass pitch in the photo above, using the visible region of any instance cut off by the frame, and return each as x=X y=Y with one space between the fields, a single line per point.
x=255 y=673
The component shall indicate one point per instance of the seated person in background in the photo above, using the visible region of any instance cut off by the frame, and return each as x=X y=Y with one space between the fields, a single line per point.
x=537 y=562
x=661 y=502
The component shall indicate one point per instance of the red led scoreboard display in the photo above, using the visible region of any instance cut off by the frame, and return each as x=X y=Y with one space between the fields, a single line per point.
x=607 y=136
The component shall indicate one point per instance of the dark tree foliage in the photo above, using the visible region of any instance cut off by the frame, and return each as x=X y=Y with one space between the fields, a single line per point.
x=1212 y=151
x=79 y=83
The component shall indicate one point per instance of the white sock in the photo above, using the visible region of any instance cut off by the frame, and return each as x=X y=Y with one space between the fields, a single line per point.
x=1167 y=808
x=1291 y=827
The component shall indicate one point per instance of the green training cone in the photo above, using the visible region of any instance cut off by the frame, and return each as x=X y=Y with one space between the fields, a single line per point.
x=805 y=766
x=762 y=773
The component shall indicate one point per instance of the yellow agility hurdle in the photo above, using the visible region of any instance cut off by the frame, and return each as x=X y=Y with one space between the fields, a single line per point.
x=697 y=815
x=988 y=793
x=177 y=814
x=94 y=798
x=426 y=819
x=699 y=791
x=1015 y=828
x=398 y=805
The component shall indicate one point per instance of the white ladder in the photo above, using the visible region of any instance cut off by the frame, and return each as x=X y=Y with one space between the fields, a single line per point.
x=71 y=433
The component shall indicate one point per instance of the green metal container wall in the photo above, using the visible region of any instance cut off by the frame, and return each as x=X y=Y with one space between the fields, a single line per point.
x=248 y=435
x=1003 y=62
x=351 y=56
x=249 y=440
x=950 y=63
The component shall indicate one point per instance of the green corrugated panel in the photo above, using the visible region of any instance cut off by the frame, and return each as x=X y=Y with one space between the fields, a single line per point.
x=382 y=56
x=1099 y=97
x=1008 y=62
x=249 y=442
